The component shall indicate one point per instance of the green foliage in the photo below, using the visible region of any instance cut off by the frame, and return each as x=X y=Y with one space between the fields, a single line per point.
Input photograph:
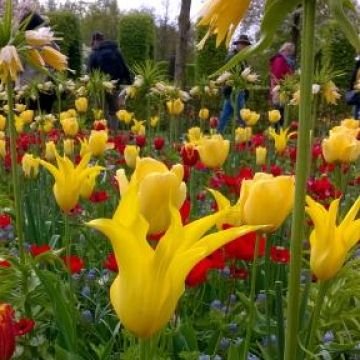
x=67 y=26
x=137 y=37
x=338 y=52
x=190 y=73
x=210 y=58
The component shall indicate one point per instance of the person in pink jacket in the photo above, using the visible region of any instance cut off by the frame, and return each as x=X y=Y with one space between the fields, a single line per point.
x=283 y=63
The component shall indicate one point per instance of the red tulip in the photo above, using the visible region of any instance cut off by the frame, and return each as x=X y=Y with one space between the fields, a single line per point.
x=36 y=250
x=189 y=154
x=140 y=141
x=159 y=143
x=76 y=263
x=7 y=332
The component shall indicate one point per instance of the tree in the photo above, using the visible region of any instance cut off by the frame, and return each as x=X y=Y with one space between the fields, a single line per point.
x=183 y=40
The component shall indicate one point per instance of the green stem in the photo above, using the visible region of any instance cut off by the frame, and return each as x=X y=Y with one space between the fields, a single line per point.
x=303 y=146
x=14 y=170
x=323 y=286
x=145 y=349
x=251 y=319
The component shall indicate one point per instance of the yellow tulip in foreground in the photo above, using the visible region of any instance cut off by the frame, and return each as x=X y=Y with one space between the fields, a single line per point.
x=331 y=243
x=158 y=186
x=69 y=179
x=150 y=281
x=222 y=17
x=213 y=151
x=264 y=200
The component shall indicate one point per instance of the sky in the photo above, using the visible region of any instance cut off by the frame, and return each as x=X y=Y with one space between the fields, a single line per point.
x=157 y=5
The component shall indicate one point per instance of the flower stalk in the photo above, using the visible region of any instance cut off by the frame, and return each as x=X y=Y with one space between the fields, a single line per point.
x=14 y=170
x=303 y=146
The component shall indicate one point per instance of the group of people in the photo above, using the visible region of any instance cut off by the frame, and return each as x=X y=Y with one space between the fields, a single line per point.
x=282 y=64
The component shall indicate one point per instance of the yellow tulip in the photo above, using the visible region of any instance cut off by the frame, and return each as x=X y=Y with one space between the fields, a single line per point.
x=260 y=154
x=2 y=122
x=19 y=124
x=98 y=142
x=274 y=116
x=351 y=123
x=69 y=147
x=2 y=148
x=20 y=107
x=331 y=243
x=330 y=93
x=175 y=107
x=131 y=153
x=222 y=18
x=250 y=117
x=341 y=146
x=204 y=114
x=81 y=104
x=264 y=200
x=30 y=166
x=151 y=280
x=157 y=187
x=243 y=135
x=50 y=150
x=124 y=116
x=213 y=151
x=281 y=139
x=69 y=179
x=27 y=116
x=54 y=58
x=194 y=134
x=70 y=126
x=138 y=127
x=154 y=121
x=98 y=114
x=10 y=63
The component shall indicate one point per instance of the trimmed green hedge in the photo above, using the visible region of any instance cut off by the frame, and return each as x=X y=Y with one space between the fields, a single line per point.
x=137 y=36
x=67 y=26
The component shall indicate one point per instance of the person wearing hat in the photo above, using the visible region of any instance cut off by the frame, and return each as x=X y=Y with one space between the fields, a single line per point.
x=106 y=57
x=227 y=109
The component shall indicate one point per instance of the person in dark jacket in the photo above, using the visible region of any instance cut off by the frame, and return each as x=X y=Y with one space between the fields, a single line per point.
x=355 y=85
x=107 y=58
x=227 y=108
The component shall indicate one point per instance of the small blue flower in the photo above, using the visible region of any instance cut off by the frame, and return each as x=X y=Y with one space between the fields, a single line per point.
x=91 y=275
x=204 y=357
x=252 y=357
x=224 y=343
x=85 y=292
x=216 y=304
x=328 y=337
x=87 y=315
x=261 y=297
x=225 y=272
x=233 y=328
x=233 y=298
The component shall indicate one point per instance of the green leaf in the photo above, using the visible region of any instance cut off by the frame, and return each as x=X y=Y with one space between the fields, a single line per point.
x=64 y=315
x=106 y=352
x=345 y=24
x=233 y=353
x=62 y=354
x=275 y=14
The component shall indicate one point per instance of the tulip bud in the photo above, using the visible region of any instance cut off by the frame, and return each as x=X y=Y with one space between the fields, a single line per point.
x=131 y=153
x=159 y=143
x=261 y=155
x=50 y=151
x=214 y=122
x=203 y=113
x=81 y=104
x=30 y=166
x=189 y=154
x=274 y=116
x=70 y=126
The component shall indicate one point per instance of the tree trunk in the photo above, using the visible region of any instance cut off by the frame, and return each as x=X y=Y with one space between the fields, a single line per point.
x=182 y=46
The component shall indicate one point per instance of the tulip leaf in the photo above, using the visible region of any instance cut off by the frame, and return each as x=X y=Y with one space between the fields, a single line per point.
x=346 y=26
x=62 y=354
x=274 y=16
x=233 y=353
x=61 y=308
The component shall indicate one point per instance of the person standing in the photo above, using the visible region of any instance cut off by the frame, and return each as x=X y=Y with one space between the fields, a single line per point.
x=355 y=85
x=106 y=57
x=227 y=109
x=282 y=64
